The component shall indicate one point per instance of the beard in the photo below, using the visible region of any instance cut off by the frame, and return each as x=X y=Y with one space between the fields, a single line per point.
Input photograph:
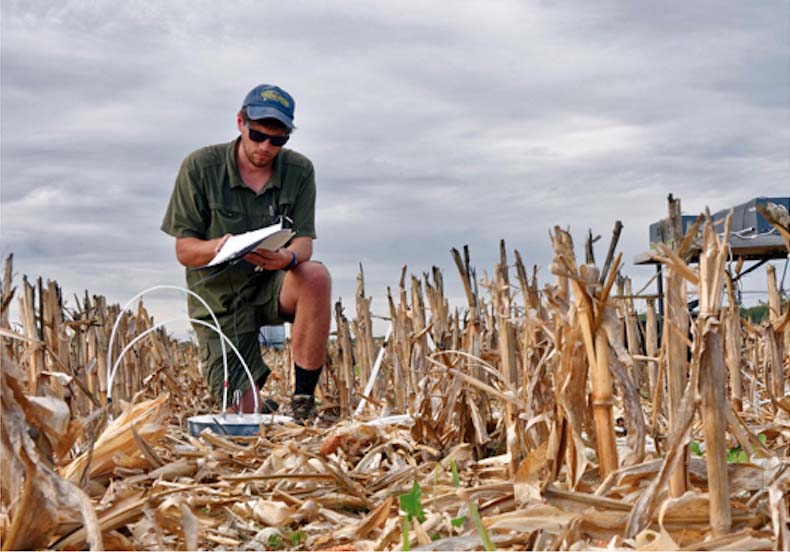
x=257 y=158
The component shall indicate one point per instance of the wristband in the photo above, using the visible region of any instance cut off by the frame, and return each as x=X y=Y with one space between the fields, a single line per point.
x=293 y=262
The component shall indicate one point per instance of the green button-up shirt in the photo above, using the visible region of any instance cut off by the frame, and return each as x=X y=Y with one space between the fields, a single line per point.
x=210 y=200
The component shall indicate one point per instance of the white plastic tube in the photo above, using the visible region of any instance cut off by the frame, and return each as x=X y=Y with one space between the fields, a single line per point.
x=134 y=341
x=374 y=374
x=111 y=375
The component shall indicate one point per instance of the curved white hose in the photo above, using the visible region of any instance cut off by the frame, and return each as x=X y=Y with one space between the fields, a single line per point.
x=374 y=373
x=194 y=321
x=110 y=374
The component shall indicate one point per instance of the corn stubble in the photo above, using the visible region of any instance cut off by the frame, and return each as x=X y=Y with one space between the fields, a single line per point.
x=543 y=418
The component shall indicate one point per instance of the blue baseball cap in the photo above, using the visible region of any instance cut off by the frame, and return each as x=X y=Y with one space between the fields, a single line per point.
x=269 y=101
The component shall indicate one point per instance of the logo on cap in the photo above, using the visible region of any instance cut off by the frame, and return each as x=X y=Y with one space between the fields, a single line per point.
x=274 y=96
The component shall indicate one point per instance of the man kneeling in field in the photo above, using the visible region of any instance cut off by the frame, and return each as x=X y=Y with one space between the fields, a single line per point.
x=233 y=188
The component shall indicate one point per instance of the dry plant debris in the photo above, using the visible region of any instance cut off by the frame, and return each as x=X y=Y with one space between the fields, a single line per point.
x=534 y=418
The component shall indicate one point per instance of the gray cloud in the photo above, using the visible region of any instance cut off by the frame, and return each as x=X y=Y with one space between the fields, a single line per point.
x=431 y=125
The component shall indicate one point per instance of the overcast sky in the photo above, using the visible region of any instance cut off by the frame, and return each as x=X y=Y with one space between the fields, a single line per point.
x=431 y=125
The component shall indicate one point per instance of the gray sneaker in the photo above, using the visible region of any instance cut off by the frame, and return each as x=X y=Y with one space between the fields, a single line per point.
x=303 y=408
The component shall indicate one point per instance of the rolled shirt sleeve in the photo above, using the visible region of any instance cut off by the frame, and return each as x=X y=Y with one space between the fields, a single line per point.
x=187 y=214
x=303 y=213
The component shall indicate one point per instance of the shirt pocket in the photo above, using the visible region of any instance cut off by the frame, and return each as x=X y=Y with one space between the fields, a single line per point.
x=285 y=209
x=227 y=220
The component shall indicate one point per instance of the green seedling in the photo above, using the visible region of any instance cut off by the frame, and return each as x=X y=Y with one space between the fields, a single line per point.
x=411 y=503
x=481 y=530
x=406 y=544
x=458 y=522
x=454 y=470
x=737 y=455
x=275 y=542
x=297 y=538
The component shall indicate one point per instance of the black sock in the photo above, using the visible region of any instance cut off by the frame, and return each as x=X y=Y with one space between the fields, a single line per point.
x=306 y=380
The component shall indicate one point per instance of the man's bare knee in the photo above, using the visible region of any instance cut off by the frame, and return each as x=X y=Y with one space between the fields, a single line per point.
x=309 y=280
x=321 y=274
x=316 y=276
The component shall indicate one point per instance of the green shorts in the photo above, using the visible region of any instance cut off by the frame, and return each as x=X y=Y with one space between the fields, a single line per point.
x=214 y=369
x=265 y=313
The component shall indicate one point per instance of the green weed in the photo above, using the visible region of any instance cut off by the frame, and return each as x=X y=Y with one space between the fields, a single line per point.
x=297 y=538
x=411 y=503
x=736 y=455
x=481 y=530
x=275 y=542
x=454 y=470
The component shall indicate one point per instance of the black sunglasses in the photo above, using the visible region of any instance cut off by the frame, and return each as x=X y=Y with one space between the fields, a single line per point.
x=258 y=136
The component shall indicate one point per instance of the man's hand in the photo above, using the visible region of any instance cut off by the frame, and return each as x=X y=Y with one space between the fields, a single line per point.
x=194 y=252
x=281 y=259
x=269 y=260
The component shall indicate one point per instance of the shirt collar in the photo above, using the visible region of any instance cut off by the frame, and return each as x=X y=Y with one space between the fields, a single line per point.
x=234 y=177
